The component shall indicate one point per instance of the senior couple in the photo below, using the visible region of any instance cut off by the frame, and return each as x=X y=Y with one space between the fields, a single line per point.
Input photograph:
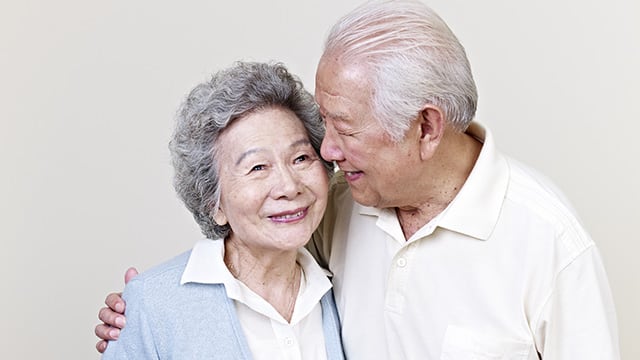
x=437 y=245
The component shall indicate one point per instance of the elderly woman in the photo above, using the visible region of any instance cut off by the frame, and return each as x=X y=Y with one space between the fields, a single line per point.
x=245 y=153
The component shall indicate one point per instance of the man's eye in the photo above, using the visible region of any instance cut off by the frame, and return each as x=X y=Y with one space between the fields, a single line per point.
x=344 y=132
x=258 y=168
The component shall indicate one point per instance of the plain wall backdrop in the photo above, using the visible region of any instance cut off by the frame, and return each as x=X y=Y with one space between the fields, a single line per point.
x=88 y=91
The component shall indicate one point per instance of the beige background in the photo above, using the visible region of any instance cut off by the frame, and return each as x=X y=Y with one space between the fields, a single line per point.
x=88 y=90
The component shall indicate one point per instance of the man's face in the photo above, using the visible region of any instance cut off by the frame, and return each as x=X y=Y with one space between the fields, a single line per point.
x=377 y=169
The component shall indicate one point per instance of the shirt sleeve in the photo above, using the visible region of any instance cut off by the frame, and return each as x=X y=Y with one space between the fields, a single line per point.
x=578 y=320
x=136 y=340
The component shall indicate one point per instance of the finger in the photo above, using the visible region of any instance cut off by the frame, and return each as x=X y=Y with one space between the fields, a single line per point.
x=111 y=318
x=114 y=302
x=106 y=332
x=130 y=274
x=101 y=346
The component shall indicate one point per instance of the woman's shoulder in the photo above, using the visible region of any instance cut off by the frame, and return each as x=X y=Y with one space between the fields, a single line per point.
x=160 y=278
x=163 y=284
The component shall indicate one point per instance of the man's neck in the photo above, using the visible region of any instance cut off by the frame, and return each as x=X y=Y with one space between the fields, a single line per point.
x=447 y=172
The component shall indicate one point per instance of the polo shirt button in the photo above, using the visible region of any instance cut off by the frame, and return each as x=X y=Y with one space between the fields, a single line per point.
x=288 y=341
x=402 y=262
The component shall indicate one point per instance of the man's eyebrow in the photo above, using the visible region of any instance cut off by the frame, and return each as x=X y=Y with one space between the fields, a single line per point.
x=336 y=116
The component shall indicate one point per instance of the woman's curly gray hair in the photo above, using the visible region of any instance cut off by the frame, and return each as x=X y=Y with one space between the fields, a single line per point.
x=233 y=93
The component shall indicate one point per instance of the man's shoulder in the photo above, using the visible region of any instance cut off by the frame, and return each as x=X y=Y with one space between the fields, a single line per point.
x=340 y=201
x=541 y=198
x=529 y=185
x=339 y=189
x=338 y=182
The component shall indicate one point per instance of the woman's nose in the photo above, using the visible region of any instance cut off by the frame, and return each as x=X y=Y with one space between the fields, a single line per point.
x=287 y=184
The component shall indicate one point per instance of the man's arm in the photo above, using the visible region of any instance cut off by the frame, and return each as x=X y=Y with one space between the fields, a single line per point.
x=578 y=320
x=112 y=316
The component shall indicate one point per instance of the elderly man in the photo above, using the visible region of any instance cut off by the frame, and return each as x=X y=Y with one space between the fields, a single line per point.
x=441 y=247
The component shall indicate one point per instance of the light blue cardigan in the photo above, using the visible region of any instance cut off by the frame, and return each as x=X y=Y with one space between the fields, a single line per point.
x=166 y=320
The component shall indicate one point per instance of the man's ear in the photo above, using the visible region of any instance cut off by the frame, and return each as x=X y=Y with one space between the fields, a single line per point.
x=432 y=128
x=219 y=217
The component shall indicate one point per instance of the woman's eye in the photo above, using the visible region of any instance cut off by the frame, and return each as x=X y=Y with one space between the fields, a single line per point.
x=301 y=158
x=257 y=168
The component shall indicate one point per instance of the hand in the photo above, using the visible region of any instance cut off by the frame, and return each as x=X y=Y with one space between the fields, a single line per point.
x=112 y=316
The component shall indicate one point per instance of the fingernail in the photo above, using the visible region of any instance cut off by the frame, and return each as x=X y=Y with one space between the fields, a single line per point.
x=120 y=307
x=114 y=334
x=120 y=321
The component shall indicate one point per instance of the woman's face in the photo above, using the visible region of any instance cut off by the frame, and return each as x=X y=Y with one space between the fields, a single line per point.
x=273 y=184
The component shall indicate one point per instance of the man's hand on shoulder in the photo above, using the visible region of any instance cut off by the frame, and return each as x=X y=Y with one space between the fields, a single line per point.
x=112 y=316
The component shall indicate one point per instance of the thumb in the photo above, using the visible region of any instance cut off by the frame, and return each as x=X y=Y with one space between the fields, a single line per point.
x=130 y=274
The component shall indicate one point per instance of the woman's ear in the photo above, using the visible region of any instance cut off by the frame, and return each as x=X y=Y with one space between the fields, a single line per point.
x=219 y=217
x=432 y=128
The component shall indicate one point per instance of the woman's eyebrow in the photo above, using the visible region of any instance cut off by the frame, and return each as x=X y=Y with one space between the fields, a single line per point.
x=301 y=142
x=259 y=149
x=247 y=153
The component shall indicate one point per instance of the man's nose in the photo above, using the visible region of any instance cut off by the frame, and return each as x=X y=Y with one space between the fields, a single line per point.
x=330 y=150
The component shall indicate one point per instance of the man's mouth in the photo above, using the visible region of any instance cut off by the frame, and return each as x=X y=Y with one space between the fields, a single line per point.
x=353 y=175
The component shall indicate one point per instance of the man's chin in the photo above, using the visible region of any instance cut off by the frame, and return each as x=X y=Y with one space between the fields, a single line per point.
x=363 y=198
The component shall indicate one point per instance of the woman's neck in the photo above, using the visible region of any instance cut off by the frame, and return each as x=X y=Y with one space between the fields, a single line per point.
x=273 y=276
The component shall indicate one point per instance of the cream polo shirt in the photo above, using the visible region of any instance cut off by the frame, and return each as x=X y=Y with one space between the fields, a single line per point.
x=506 y=271
x=268 y=334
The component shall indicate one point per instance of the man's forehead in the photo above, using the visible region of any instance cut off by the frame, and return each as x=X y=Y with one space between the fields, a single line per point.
x=332 y=73
x=334 y=106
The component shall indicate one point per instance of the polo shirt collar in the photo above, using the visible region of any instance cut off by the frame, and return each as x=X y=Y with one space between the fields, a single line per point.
x=476 y=208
